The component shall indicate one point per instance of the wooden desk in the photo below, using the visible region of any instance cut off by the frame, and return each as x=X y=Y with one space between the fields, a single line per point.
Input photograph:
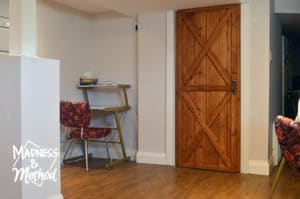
x=115 y=111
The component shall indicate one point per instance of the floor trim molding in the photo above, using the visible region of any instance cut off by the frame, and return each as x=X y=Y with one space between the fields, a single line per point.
x=259 y=167
x=59 y=196
x=151 y=158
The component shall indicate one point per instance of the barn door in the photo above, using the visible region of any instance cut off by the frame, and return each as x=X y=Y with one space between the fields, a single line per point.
x=208 y=88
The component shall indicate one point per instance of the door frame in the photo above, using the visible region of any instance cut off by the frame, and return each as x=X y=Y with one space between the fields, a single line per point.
x=170 y=88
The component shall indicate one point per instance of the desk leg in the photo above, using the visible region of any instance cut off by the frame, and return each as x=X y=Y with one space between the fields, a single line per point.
x=85 y=94
x=125 y=158
x=117 y=118
x=125 y=96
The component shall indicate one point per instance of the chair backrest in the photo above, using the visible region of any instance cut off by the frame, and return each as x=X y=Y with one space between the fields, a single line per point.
x=288 y=134
x=75 y=114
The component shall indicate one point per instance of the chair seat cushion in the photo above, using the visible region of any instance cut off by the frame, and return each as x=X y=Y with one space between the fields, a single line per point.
x=91 y=133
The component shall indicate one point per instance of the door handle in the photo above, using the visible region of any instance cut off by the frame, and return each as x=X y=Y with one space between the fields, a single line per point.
x=233 y=86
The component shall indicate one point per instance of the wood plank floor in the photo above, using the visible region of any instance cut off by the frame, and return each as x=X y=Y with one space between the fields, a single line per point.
x=131 y=180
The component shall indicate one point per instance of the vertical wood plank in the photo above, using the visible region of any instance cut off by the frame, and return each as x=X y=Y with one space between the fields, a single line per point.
x=200 y=78
x=179 y=79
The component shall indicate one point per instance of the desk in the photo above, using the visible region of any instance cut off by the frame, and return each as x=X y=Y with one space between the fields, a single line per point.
x=115 y=111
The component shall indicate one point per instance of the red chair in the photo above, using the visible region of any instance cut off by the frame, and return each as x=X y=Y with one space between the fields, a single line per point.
x=288 y=134
x=78 y=116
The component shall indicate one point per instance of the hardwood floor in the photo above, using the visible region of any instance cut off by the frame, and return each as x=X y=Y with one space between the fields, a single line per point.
x=131 y=180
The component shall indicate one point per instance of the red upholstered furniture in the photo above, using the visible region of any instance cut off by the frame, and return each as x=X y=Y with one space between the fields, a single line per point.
x=78 y=116
x=288 y=134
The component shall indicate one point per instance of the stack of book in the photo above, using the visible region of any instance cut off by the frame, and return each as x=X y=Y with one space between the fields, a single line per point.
x=88 y=81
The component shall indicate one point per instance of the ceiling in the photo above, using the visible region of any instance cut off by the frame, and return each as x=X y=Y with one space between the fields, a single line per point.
x=137 y=7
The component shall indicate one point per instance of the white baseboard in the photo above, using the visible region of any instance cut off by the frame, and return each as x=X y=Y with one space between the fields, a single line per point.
x=59 y=196
x=151 y=158
x=259 y=167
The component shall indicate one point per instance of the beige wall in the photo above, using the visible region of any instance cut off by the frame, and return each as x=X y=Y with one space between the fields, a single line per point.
x=258 y=85
x=152 y=88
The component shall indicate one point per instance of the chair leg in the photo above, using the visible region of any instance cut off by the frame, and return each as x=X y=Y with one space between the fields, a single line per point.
x=86 y=155
x=277 y=176
x=82 y=146
x=106 y=146
x=68 y=149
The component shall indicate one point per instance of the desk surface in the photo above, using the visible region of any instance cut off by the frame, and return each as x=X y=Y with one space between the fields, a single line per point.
x=126 y=107
x=111 y=108
x=105 y=86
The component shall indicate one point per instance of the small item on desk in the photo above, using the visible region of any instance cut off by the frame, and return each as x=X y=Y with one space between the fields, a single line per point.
x=88 y=79
x=109 y=83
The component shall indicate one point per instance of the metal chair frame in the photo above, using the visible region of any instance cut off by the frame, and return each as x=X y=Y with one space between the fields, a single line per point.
x=84 y=149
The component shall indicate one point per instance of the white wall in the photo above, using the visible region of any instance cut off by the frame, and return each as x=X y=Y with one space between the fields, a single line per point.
x=287 y=6
x=255 y=87
x=152 y=88
x=104 y=45
x=4 y=39
x=4 y=8
x=64 y=35
x=113 y=57
x=10 y=116
x=22 y=26
x=275 y=98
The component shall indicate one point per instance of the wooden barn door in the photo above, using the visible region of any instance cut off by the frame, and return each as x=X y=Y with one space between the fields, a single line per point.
x=208 y=88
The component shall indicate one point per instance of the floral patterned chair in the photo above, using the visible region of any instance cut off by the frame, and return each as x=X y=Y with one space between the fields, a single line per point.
x=78 y=116
x=288 y=134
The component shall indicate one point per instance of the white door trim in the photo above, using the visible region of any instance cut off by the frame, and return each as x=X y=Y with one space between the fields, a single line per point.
x=170 y=89
x=245 y=51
